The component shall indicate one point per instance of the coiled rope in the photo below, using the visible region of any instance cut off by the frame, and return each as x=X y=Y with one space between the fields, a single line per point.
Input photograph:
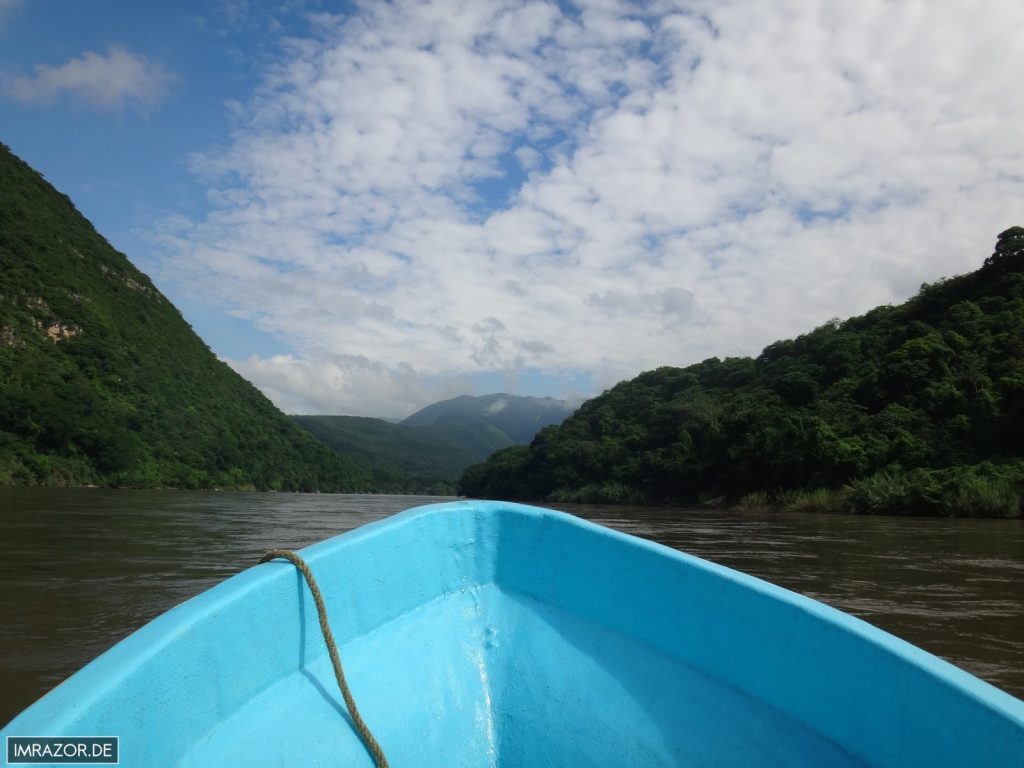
x=364 y=732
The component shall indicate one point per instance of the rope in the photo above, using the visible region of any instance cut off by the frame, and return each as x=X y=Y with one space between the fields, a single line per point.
x=364 y=732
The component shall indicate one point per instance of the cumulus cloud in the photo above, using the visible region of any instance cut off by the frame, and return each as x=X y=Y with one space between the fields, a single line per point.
x=681 y=180
x=334 y=384
x=673 y=304
x=104 y=80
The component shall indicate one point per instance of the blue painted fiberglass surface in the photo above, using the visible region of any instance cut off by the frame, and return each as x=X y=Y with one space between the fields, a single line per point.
x=487 y=634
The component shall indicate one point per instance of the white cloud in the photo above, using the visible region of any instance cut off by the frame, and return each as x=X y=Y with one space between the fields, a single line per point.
x=702 y=179
x=106 y=81
x=528 y=158
x=497 y=406
x=357 y=386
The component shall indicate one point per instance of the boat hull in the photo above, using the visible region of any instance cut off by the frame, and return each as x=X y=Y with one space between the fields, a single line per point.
x=478 y=633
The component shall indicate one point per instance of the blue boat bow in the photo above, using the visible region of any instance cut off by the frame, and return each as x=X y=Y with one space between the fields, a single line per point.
x=484 y=633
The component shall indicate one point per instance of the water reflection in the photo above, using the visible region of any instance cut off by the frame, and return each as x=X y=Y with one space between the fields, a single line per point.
x=81 y=569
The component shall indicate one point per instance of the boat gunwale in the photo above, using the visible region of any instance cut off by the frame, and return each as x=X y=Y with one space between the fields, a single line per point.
x=64 y=703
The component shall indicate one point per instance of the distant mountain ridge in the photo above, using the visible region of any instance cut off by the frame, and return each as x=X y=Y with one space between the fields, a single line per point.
x=103 y=382
x=401 y=459
x=427 y=452
x=517 y=416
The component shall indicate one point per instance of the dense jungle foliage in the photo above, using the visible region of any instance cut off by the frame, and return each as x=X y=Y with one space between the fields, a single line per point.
x=910 y=409
x=102 y=381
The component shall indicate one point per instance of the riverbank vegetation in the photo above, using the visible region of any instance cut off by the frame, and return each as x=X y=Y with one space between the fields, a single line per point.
x=909 y=409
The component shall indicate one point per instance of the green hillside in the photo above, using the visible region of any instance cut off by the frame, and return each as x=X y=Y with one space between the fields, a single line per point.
x=916 y=408
x=102 y=381
x=517 y=417
x=407 y=459
x=428 y=451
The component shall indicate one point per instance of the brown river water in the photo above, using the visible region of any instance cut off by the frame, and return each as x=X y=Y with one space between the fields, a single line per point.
x=82 y=568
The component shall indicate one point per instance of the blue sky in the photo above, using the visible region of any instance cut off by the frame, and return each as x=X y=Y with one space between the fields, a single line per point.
x=368 y=207
x=121 y=150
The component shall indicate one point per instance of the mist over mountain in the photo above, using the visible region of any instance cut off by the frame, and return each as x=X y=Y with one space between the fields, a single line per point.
x=518 y=417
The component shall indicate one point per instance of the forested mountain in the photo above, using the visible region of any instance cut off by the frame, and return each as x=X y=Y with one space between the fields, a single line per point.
x=102 y=381
x=428 y=451
x=406 y=459
x=519 y=418
x=917 y=408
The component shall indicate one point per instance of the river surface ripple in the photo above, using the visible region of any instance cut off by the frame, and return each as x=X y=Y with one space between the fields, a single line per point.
x=82 y=568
